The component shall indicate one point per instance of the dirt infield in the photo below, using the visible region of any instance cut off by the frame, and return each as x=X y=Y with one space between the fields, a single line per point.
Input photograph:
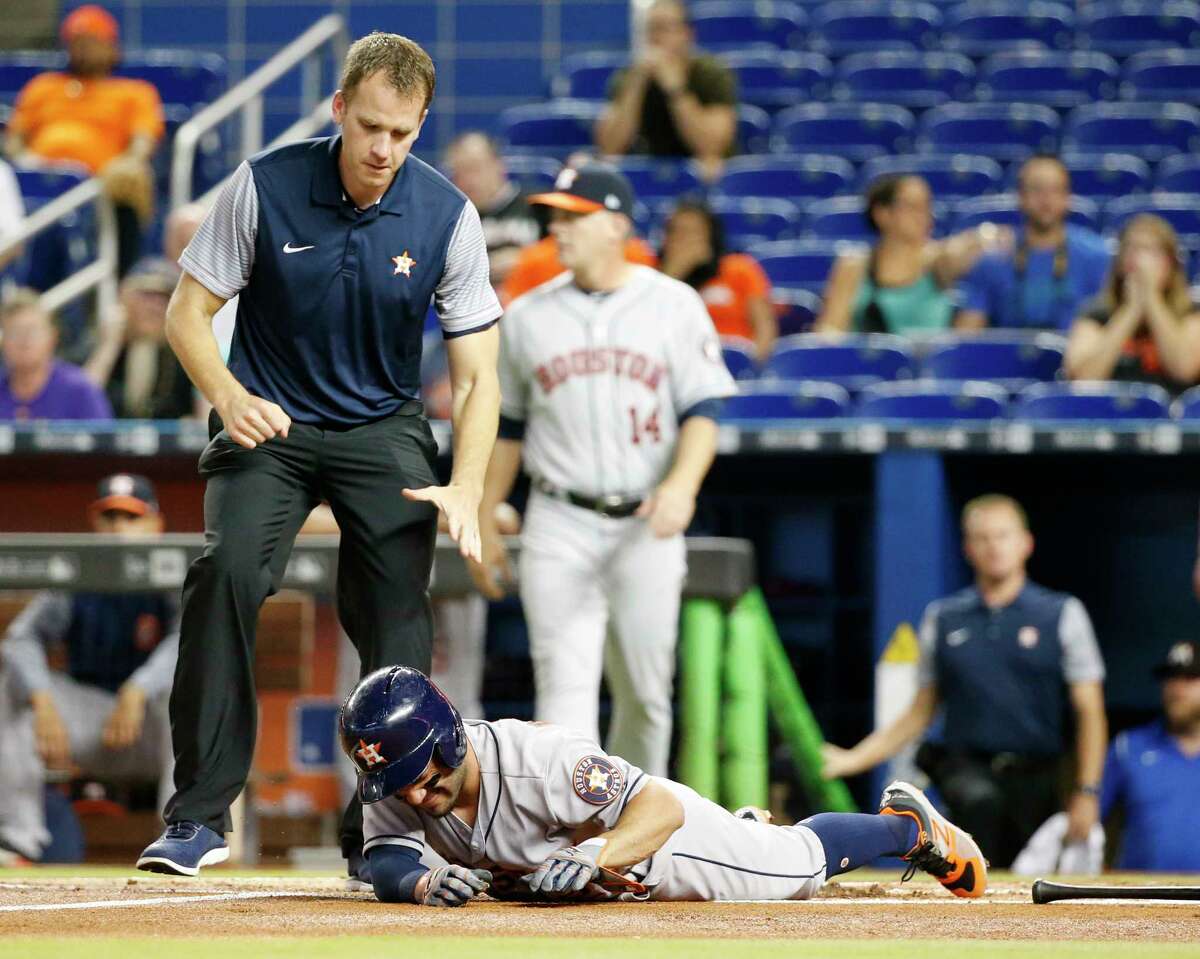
x=158 y=906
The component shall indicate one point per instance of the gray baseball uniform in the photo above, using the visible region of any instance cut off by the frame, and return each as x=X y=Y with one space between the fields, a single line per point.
x=545 y=787
x=601 y=383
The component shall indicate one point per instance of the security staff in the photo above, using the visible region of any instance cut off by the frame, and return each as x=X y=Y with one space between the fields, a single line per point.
x=1003 y=658
x=335 y=248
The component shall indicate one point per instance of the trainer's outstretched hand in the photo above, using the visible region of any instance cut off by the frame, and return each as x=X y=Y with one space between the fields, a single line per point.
x=461 y=508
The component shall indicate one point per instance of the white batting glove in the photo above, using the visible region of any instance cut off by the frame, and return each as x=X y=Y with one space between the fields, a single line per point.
x=568 y=870
x=454 y=885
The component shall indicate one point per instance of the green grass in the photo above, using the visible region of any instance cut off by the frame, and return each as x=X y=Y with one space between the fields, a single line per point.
x=245 y=947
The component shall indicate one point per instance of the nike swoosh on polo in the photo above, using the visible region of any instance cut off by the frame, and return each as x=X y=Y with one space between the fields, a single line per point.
x=288 y=248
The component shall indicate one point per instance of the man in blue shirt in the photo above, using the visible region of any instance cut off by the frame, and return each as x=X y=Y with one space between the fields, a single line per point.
x=1054 y=269
x=1153 y=773
x=335 y=248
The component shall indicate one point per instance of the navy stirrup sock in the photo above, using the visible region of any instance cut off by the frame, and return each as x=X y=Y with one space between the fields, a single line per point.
x=851 y=840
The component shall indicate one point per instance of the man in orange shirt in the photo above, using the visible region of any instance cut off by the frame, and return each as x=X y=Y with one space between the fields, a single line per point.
x=540 y=262
x=110 y=125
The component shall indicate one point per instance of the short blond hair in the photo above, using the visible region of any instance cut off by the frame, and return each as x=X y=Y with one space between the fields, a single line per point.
x=404 y=61
x=21 y=299
x=991 y=501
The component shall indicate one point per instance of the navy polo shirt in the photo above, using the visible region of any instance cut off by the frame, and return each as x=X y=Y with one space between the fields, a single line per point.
x=1000 y=673
x=1157 y=785
x=333 y=299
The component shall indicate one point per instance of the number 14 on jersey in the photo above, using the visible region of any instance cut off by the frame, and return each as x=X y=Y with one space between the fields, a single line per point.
x=644 y=430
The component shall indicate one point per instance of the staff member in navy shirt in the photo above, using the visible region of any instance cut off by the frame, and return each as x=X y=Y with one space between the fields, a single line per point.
x=1004 y=658
x=335 y=248
x=1153 y=773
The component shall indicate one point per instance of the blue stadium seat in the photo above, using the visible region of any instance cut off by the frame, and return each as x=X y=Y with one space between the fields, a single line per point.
x=791 y=177
x=905 y=77
x=854 y=361
x=534 y=172
x=724 y=25
x=1013 y=360
x=786 y=401
x=1003 y=131
x=558 y=127
x=1124 y=27
x=183 y=78
x=949 y=175
x=1181 y=210
x=859 y=26
x=1104 y=175
x=796 y=308
x=802 y=263
x=932 y=400
x=1148 y=130
x=739 y=357
x=1002 y=208
x=59 y=250
x=1162 y=75
x=774 y=79
x=585 y=76
x=838 y=218
x=654 y=178
x=1056 y=78
x=1091 y=401
x=856 y=131
x=751 y=220
x=1187 y=405
x=753 y=128
x=990 y=26
x=1178 y=174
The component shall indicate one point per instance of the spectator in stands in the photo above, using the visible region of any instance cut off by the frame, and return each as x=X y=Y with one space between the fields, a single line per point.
x=1003 y=658
x=733 y=286
x=111 y=125
x=132 y=361
x=902 y=284
x=33 y=384
x=1054 y=269
x=1144 y=326
x=1153 y=774
x=509 y=223
x=180 y=226
x=672 y=102
x=106 y=715
x=12 y=211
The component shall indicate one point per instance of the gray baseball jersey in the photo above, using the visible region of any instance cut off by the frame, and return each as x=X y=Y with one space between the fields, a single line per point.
x=545 y=787
x=601 y=380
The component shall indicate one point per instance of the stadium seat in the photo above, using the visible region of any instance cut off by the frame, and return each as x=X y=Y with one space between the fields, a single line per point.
x=753 y=128
x=655 y=178
x=750 y=220
x=739 y=357
x=796 y=309
x=1181 y=210
x=534 y=172
x=558 y=127
x=860 y=26
x=585 y=76
x=1100 y=176
x=1187 y=405
x=1002 y=208
x=724 y=25
x=1055 y=78
x=793 y=177
x=949 y=175
x=838 y=218
x=1124 y=27
x=853 y=362
x=1091 y=401
x=1003 y=131
x=1012 y=360
x=1178 y=174
x=990 y=26
x=786 y=401
x=775 y=79
x=1148 y=130
x=856 y=131
x=905 y=77
x=932 y=400
x=1162 y=75
x=802 y=263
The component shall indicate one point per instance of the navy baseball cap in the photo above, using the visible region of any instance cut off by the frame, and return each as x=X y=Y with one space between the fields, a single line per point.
x=1183 y=660
x=588 y=188
x=126 y=492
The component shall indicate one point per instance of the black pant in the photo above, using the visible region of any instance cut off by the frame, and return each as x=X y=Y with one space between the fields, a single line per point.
x=255 y=501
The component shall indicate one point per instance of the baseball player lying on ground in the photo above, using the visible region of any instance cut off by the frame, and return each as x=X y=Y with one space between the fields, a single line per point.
x=536 y=811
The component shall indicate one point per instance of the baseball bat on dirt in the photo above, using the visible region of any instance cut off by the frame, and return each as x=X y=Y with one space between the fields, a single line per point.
x=1044 y=891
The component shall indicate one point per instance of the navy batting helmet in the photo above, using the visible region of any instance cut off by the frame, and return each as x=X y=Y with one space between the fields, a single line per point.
x=390 y=726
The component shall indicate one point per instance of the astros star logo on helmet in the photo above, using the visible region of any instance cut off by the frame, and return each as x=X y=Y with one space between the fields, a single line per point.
x=404 y=264
x=369 y=753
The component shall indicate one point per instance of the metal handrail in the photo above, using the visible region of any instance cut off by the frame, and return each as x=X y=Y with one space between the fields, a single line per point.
x=247 y=96
x=101 y=272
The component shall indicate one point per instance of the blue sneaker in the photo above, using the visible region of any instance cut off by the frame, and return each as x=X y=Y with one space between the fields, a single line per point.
x=183 y=849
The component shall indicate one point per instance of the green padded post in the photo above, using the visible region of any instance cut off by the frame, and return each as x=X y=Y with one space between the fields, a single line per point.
x=701 y=641
x=745 y=776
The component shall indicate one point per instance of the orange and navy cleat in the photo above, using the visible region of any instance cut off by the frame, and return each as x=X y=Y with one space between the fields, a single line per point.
x=943 y=850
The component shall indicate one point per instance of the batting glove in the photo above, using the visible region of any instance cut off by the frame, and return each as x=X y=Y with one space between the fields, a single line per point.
x=454 y=885
x=568 y=870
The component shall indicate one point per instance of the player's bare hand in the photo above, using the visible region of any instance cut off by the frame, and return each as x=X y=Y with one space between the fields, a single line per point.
x=461 y=509
x=492 y=575
x=669 y=510
x=453 y=885
x=250 y=420
x=50 y=733
x=1083 y=812
x=838 y=763
x=568 y=870
x=124 y=724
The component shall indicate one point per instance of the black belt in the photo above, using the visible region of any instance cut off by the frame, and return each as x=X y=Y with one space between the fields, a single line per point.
x=615 y=507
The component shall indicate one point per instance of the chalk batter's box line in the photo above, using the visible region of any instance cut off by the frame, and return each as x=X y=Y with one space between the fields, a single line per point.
x=168 y=900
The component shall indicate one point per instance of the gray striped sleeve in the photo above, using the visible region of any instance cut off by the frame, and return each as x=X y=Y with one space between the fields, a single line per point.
x=221 y=254
x=927 y=641
x=464 y=299
x=1081 y=662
